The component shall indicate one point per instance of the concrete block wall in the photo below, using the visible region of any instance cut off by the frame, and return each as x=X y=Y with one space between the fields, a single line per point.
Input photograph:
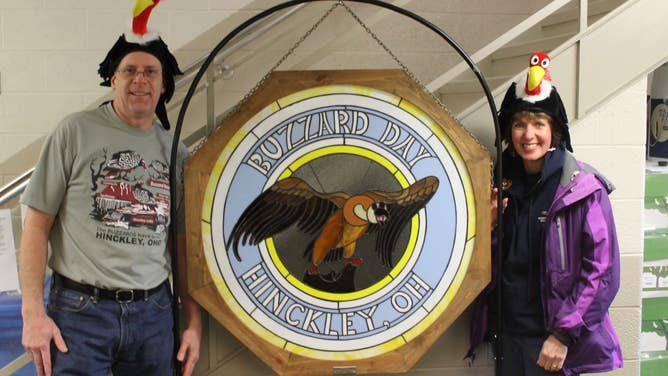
x=612 y=139
x=50 y=49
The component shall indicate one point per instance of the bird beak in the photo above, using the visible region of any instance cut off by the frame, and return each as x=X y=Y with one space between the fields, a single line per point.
x=534 y=77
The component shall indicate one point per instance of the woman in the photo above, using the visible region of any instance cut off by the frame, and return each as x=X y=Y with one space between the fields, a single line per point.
x=560 y=251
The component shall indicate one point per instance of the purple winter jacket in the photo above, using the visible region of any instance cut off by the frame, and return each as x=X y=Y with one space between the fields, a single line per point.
x=581 y=272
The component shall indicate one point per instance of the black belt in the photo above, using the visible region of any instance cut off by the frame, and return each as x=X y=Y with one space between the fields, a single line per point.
x=120 y=295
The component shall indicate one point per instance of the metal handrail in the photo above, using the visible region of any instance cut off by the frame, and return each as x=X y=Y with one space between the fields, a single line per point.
x=14 y=188
x=16 y=364
x=486 y=51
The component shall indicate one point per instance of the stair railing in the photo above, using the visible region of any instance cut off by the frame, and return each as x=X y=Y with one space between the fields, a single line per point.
x=502 y=40
x=584 y=30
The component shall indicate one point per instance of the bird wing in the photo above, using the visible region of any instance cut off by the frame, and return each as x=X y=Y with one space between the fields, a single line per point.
x=402 y=206
x=287 y=202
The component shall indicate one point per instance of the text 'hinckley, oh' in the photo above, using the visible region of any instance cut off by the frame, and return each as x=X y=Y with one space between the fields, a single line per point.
x=335 y=323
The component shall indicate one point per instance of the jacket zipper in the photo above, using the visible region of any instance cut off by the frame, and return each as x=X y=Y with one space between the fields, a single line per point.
x=562 y=252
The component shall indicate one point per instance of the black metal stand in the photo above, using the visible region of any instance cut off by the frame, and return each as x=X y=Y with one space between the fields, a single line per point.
x=396 y=9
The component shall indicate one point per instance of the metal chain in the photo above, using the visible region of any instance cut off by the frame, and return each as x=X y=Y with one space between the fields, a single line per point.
x=199 y=145
x=374 y=36
x=408 y=71
x=252 y=91
x=290 y=51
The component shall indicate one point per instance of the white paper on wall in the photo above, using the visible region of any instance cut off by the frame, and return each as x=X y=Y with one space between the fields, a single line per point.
x=9 y=278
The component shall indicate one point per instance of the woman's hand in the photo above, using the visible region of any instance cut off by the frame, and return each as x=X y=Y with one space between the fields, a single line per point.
x=552 y=355
x=495 y=205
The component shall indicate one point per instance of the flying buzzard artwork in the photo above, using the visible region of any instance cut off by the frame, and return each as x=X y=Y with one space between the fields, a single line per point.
x=336 y=219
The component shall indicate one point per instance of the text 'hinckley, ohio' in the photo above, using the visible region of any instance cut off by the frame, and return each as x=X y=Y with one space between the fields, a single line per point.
x=333 y=323
x=326 y=123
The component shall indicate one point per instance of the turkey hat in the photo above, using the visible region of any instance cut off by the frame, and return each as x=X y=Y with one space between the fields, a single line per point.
x=140 y=40
x=515 y=101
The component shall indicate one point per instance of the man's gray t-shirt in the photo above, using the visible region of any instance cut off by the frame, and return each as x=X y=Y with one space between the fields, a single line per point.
x=108 y=185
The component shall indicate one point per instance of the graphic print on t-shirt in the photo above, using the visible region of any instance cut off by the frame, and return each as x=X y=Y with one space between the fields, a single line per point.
x=130 y=192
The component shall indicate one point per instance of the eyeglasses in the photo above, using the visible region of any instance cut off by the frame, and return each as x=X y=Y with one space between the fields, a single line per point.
x=130 y=73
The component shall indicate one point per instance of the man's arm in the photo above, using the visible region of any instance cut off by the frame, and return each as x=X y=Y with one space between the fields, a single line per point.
x=192 y=335
x=38 y=328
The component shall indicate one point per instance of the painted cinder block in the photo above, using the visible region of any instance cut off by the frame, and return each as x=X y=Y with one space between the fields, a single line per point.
x=626 y=172
x=23 y=71
x=89 y=4
x=630 y=282
x=12 y=143
x=46 y=110
x=105 y=25
x=628 y=216
x=23 y=4
x=620 y=121
x=184 y=24
x=72 y=72
x=626 y=321
x=44 y=30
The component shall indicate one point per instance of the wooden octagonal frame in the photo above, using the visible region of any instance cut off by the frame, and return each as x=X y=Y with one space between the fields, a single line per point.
x=284 y=360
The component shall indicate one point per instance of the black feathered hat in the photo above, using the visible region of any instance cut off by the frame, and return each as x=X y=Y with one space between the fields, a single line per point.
x=536 y=94
x=141 y=40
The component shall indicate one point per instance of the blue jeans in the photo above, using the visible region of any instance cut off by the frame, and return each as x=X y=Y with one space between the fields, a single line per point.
x=101 y=335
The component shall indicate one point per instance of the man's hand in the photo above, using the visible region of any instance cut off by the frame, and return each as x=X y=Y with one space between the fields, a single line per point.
x=552 y=355
x=38 y=332
x=38 y=328
x=189 y=349
x=188 y=353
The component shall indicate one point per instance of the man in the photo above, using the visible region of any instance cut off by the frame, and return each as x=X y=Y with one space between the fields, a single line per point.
x=100 y=194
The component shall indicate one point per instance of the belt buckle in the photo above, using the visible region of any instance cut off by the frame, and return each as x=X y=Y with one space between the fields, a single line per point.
x=119 y=297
